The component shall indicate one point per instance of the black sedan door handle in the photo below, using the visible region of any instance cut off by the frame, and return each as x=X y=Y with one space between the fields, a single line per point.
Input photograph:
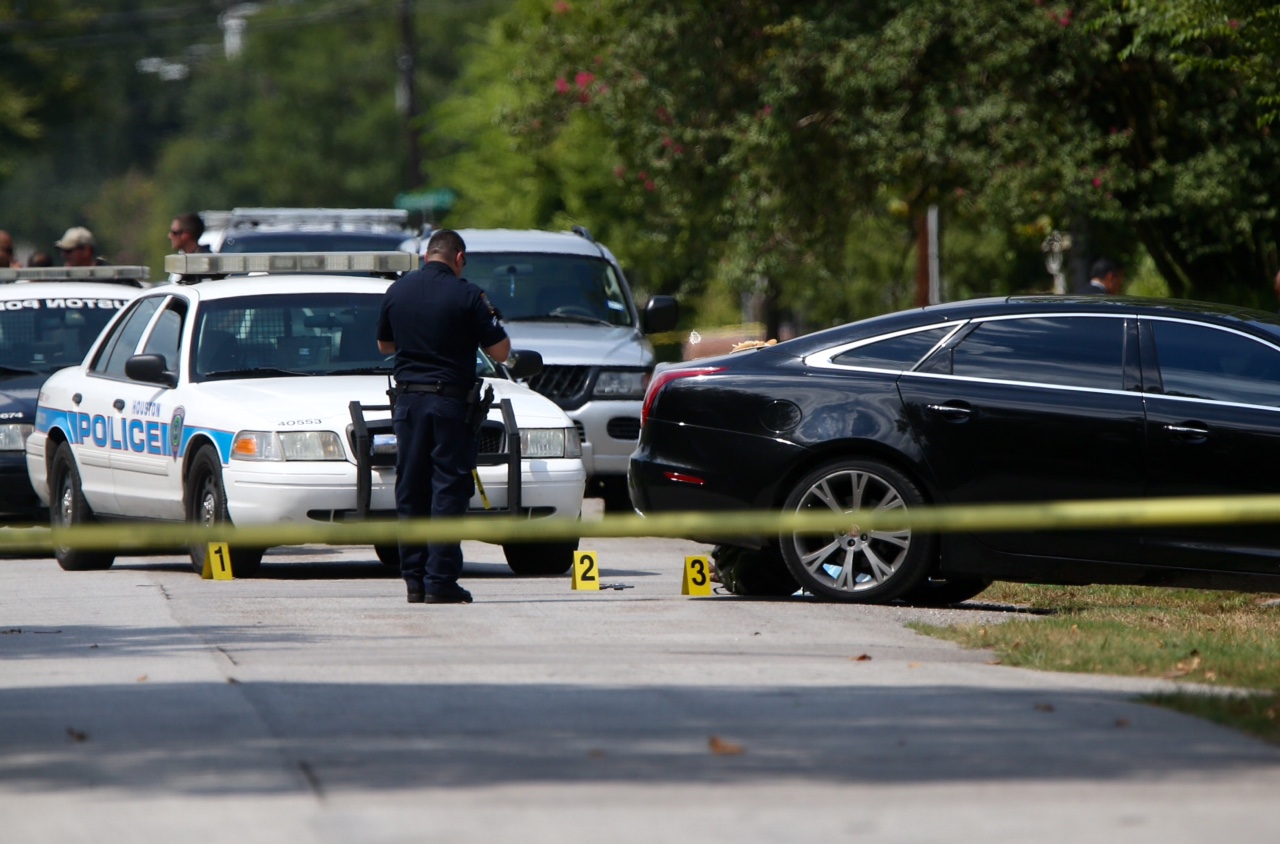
x=1188 y=433
x=955 y=412
x=118 y=404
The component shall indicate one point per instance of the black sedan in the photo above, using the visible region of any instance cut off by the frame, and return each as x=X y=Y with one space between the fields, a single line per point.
x=995 y=400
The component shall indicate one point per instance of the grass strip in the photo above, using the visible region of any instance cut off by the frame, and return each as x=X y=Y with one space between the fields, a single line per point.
x=1229 y=640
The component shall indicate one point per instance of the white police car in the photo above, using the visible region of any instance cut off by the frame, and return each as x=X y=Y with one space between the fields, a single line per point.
x=49 y=317
x=231 y=398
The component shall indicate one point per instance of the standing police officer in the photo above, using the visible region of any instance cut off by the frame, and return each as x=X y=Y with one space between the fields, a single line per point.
x=433 y=320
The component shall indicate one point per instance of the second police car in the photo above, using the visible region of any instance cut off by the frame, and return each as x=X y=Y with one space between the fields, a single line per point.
x=49 y=317
x=229 y=397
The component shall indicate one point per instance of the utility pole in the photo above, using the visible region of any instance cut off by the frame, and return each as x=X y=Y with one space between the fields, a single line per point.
x=928 y=278
x=406 y=97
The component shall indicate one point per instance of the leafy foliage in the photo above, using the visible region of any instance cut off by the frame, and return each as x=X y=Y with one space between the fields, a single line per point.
x=771 y=130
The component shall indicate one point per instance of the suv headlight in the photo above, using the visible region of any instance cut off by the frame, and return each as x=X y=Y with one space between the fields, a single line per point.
x=289 y=445
x=549 y=442
x=13 y=436
x=620 y=384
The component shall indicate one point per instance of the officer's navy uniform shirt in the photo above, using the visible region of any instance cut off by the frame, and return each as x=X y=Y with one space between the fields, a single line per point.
x=437 y=322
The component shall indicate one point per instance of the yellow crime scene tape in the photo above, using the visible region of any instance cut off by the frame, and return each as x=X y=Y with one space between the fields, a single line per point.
x=1059 y=515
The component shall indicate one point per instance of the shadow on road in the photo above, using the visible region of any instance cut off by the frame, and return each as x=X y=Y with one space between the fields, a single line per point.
x=228 y=738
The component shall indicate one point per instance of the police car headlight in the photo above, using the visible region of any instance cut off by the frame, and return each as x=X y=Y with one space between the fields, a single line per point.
x=14 y=436
x=548 y=442
x=291 y=445
x=620 y=384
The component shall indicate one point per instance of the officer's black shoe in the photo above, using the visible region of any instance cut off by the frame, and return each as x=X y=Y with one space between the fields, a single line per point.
x=416 y=593
x=456 y=595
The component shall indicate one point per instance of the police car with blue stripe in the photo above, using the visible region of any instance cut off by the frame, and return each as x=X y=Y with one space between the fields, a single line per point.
x=49 y=317
x=252 y=392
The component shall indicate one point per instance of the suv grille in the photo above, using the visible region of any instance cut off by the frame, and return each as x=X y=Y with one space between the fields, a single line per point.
x=561 y=384
x=624 y=428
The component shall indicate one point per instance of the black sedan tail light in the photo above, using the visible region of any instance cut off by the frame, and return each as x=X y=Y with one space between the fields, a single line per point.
x=662 y=379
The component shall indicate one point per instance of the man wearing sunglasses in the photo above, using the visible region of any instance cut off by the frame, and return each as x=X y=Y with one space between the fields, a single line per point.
x=185 y=231
x=78 y=248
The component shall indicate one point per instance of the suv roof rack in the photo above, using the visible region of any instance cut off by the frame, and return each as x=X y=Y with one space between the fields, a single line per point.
x=198 y=266
x=335 y=218
x=114 y=273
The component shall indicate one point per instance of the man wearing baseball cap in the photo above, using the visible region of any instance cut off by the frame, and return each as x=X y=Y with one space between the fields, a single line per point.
x=78 y=249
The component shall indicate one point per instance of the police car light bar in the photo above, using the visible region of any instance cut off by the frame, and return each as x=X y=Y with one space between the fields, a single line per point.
x=101 y=273
x=391 y=217
x=228 y=263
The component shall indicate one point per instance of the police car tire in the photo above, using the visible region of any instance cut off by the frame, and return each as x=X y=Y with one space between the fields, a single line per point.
x=206 y=502
x=540 y=558
x=69 y=509
x=388 y=554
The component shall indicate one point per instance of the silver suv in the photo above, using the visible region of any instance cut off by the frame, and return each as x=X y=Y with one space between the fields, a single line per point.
x=564 y=295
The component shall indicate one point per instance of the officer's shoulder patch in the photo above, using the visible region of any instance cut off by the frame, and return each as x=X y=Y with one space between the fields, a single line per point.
x=493 y=310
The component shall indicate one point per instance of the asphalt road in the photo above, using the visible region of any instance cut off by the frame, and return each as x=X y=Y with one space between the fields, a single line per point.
x=314 y=704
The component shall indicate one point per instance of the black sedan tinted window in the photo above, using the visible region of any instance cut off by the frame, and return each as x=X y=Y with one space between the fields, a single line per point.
x=895 y=353
x=1207 y=363
x=1065 y=351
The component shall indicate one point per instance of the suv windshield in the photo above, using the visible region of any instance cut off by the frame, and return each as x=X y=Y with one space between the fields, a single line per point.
x=534 y=286
x=48 y=334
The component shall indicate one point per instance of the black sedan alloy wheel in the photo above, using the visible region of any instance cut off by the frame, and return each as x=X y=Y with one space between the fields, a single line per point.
x=857 y=566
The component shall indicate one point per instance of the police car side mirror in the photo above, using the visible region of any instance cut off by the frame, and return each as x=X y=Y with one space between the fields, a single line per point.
x=660 y=314
x=150 y=369
x=524 y=363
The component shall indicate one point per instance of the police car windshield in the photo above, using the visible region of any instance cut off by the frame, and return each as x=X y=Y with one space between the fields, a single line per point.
x=287 y=335
x=43 y=334
x=292 y=335
x=533 y=286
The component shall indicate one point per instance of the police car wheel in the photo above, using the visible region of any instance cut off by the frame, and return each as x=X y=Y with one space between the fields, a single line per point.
x=207 y=505
x=388 y=554
x=540 y=558
x=69 y=509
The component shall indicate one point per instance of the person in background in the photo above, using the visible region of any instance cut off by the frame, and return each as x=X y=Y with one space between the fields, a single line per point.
x=78 y=248
x=185 y=231
x=40 y=259
x=1106 y=277
x=1277 y=287
x=6 y=251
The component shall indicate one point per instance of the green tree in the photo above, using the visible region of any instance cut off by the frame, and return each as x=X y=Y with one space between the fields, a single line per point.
x=771 y=128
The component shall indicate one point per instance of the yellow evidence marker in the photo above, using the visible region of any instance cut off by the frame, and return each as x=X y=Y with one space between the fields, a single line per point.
x=697 y=576
x=217 y=562
x=586 y=571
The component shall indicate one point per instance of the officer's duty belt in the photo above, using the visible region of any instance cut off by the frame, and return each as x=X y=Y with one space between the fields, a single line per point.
x=449 y=391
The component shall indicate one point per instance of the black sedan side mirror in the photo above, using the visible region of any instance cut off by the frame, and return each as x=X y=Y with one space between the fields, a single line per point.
x=660 y=314
x=150 y=369
x=524 y=363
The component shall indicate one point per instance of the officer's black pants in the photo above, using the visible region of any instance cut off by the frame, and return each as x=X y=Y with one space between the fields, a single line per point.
x=435 y=453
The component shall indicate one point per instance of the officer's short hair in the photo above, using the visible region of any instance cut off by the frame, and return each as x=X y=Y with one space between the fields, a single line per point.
x=445 y=242
x=191 y=222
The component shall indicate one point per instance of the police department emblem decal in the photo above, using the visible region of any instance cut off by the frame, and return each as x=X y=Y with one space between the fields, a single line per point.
x=175 y=431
